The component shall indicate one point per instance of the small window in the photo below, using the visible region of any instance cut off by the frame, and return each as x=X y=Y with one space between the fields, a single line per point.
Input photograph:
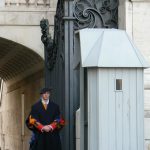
x=118 y=84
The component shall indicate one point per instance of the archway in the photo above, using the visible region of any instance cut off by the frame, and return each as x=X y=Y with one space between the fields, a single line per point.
x=22 y=76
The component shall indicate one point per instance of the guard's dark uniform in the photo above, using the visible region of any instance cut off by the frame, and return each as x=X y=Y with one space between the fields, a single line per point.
x=39 y=117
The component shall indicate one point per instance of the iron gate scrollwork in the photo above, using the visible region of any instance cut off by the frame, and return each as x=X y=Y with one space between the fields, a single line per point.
x=96 y=14
x=87 y=14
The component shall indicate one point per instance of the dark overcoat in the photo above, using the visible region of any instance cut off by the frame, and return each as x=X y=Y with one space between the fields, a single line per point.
x=50 y=140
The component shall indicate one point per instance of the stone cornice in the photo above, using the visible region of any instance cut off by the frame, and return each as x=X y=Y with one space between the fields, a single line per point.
x=25 y=9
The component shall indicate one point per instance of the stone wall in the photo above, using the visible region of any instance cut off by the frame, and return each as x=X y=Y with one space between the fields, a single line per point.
x=16 y=104
x=20 y=20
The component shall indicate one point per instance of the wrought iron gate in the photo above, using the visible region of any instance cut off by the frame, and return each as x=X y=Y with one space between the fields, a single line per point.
x=60 y=71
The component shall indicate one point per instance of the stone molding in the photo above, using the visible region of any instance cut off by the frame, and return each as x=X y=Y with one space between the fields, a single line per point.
x=27 y=9
x=27 y=2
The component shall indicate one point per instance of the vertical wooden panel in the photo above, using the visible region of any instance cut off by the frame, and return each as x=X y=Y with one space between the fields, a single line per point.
x=112 y=112
x=103 y=107
x=100 y=104
x=133 y=115
x=140 y=110
x=92 y=110
x=126 y=110
x=119 y=113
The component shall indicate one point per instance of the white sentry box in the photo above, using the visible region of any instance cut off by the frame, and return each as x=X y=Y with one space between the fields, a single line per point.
x=115 y=89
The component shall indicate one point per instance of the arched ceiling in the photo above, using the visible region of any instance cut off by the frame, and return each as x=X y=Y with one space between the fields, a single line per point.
x=17 y=61
x=28 y=36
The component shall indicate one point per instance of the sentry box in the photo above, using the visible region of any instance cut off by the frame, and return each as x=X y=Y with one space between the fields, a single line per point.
x=114 y=89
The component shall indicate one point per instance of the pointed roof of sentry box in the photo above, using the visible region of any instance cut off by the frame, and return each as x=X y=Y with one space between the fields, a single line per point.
x=109 y=48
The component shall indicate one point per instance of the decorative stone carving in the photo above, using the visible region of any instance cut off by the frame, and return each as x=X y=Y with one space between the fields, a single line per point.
x=27 y=2
x=96 y=14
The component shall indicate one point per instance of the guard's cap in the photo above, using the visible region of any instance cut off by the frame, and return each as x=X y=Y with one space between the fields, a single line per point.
x=44 y=90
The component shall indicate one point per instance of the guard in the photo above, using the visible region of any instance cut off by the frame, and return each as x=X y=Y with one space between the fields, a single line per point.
x=46 y=122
